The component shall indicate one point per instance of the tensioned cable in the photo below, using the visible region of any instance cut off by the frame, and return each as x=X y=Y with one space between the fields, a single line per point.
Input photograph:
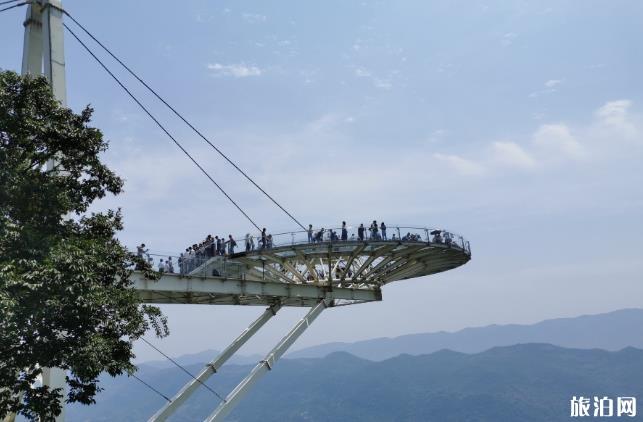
x=8 y=1
x=14 y=6
x=151 y=116
x=183 y=369
x=151 y=388
x=180 y=116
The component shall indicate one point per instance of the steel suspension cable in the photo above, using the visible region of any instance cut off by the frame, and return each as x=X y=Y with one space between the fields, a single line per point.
x=150 y=387
x=183 y=369
x=8 y=1
x=180 y=116
x=151 y=116
x=14 y=6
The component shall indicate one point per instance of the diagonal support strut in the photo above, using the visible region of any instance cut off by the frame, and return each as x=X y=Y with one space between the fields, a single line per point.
x=266 y=365
x=213 y=366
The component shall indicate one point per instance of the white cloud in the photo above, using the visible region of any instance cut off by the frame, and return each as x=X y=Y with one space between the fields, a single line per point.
x=380 y=83
x=550 y=88
x=611 y=134
x=362 y=73
x=254 y=17
x=324 y=123
x=615 y=117
x=614 y=111
x=553 y=82
x=512 y=155
x=239 y=70
x=437 y=135
x=557 y=142
x=508 y=38
x=461 y=165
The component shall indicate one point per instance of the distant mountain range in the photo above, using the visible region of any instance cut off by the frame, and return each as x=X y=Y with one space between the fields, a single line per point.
x=609 y=331
x=201 y=358
x=526 y=381
x=529 y=382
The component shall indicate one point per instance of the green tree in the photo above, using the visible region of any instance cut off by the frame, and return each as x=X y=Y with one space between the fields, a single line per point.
x=65 y=296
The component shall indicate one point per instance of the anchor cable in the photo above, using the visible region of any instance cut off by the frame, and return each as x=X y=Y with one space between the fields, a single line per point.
x=180 y=116
x=151 y=116
x=183 y=369
x=151 y=388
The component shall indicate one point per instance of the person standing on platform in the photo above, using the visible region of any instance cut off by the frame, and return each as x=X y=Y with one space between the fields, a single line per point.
x=360 y=232
x=383 y=229
x=344 y=231
x=374 y=230
x=310 y=233
x=231 y=244
x=141 y=251
x=264 y=238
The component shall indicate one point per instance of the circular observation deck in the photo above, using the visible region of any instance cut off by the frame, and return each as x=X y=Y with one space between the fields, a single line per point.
x=357 y=260
x=295 y=269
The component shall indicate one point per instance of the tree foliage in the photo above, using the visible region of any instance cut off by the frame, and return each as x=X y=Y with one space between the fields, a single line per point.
x=65 y=296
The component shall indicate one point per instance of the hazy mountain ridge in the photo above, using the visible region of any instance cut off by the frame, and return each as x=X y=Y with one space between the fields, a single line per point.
x=529 y=382
x=609 y=331
x=201 y=358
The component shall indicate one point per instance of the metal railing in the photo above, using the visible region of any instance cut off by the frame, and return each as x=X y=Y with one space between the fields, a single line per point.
x=357 y=233
x=194 y=260
x=196 y=264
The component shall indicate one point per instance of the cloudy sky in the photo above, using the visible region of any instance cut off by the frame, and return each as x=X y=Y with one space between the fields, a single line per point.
x=518 y=124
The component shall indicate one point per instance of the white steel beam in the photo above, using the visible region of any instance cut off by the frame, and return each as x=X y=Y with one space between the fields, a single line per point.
x=266 y=365
x=354 y=254
x=174 y=283
x=214 y=366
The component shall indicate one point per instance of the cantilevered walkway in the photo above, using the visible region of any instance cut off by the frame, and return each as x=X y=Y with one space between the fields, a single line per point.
x=293 y=271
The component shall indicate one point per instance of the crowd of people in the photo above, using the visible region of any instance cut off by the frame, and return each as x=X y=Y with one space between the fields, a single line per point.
x=198 y=253
x=377 y=232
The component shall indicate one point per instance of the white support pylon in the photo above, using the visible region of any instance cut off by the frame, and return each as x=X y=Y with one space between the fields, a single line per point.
x=266 y=365
x=44 y=53
x=32 y=45
x=54 y=49
x=214 y=366
x=44 y=48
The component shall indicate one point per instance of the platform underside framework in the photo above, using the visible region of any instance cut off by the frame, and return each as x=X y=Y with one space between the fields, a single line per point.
x=315 y=275
x=301 y=275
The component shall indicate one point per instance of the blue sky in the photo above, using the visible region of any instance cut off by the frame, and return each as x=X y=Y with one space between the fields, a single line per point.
x=518 y=124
